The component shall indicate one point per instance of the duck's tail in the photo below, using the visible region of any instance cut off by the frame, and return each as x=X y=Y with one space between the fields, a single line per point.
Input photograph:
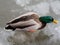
x=9 y=27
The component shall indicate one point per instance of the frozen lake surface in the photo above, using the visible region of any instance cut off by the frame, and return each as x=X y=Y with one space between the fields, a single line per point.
x=10 y=9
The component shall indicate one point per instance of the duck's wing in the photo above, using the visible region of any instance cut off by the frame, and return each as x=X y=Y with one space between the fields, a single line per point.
x=17 y=20
x=24 y=17
x=21 y=25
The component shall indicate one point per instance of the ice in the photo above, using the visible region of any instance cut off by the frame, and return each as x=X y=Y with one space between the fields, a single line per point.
x=41 y=8
x=9 y=9
x=22 y=2
x=56 y=7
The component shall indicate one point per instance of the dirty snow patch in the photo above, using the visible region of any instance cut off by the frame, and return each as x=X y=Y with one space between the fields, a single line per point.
x=22 y=2
x=42 y=8
x=56 y=7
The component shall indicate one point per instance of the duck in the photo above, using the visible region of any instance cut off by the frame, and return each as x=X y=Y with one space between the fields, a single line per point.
x=30 y=21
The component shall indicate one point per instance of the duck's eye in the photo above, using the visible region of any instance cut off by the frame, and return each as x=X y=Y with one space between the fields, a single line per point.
x=52 y=19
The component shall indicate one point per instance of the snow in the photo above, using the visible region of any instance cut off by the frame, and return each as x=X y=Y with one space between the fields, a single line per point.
x=48 y=36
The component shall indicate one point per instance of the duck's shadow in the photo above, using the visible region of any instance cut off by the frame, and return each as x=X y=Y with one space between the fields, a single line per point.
x=28 y=38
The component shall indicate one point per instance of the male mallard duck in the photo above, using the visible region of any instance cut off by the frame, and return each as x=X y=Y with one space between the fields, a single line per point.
x=30 y=21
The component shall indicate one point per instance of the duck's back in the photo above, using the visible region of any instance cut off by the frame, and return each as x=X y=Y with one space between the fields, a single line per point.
x=25 y=17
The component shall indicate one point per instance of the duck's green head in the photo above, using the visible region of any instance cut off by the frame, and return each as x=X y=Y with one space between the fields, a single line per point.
x=48 y=19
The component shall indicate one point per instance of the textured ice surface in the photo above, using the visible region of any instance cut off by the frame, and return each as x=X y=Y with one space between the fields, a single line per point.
x=41 y=8
x=56 y=7
x=22 y=2
x=10 y=9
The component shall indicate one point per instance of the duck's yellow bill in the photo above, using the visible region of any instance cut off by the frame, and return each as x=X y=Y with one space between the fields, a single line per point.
x=55 y=21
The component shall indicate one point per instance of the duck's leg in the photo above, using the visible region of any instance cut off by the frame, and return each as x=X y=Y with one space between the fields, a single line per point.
x=28 y=30
x=31 y=30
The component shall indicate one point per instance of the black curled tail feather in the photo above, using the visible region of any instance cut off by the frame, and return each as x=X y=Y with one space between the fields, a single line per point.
x=10 y=27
